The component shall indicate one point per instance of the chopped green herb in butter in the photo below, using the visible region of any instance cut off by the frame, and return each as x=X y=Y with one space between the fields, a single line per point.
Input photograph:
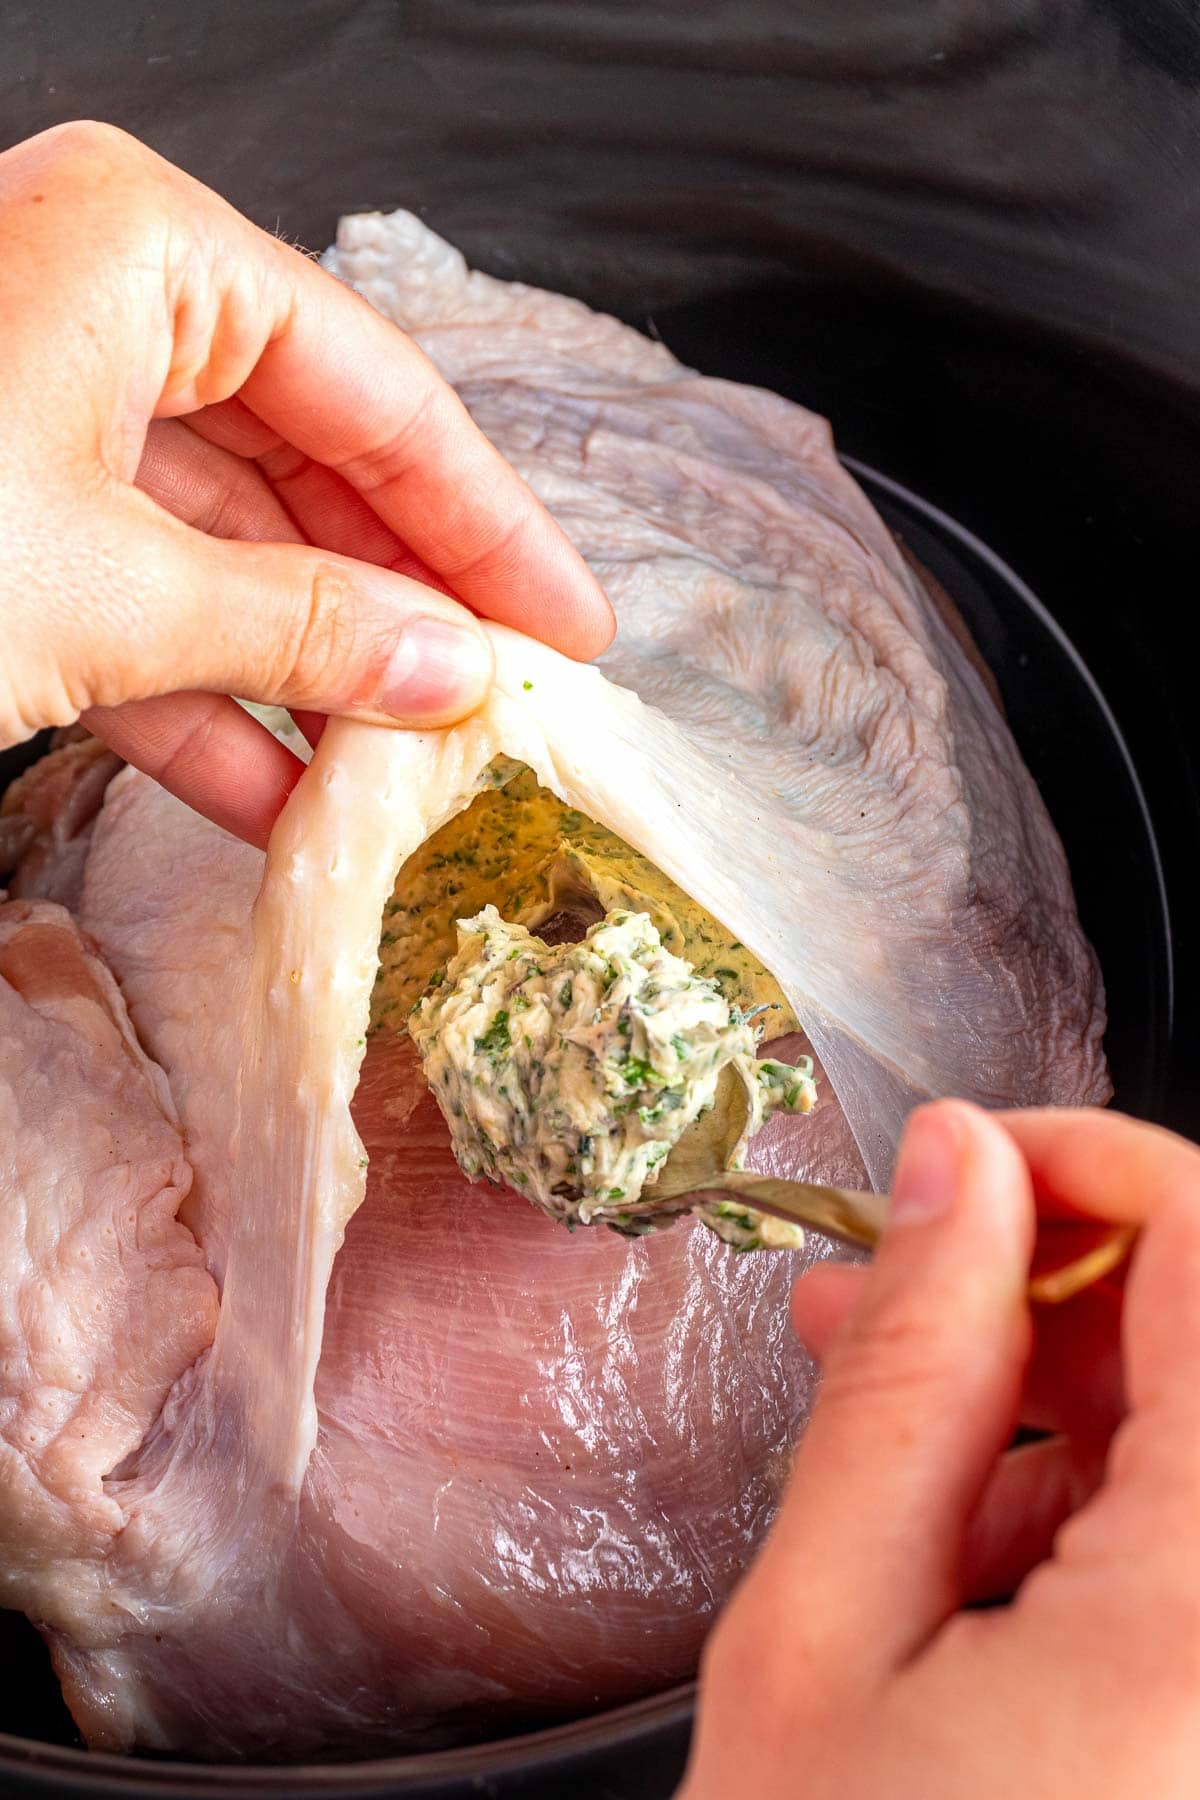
x=520 y=847
x=619 y=1049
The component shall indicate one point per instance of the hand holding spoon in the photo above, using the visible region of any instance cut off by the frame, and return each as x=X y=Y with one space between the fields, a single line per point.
x=1069 y=1256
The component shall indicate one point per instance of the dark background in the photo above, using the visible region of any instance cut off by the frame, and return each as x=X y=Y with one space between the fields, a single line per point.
x=967 y=230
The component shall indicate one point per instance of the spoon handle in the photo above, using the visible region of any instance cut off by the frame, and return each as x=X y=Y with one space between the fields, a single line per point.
x=1069 y=1256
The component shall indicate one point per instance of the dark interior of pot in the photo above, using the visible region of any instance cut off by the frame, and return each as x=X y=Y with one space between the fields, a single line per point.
x=961 y=233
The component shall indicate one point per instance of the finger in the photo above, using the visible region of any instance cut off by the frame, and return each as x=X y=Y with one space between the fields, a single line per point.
x=210 y=488
x=1162 y=1306
x=1144 y=1515
x=1073 y=1381
x=1032 y=1491
x=1124 y=1564
x=310 y=725
x=822 y=1301
x=327 y=510
x=350 y=391
x=194 y=305
x=231 y=425
x=282 y=497
x=1088 y=1163
x=372 y=500
x=1102 y=1165
x=206 y=750
x=917 y=1402
x=210 y=752
x=331 y=513
x=282 y=623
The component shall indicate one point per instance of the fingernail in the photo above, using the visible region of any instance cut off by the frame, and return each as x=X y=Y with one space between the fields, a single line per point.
x=927 y=1173
x=437 y=669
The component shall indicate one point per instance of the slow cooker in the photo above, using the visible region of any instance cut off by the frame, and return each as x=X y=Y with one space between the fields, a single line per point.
x=968 y=231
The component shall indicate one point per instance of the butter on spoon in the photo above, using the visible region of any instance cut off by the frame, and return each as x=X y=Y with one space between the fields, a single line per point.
x=1069 y=1256
x=608 y=1083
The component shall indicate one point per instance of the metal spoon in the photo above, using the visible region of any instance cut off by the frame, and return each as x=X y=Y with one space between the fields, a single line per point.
x=1069 y=1256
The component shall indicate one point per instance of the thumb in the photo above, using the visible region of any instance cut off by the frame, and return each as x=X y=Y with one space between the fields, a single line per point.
x=919 y=1398
x=168 y=608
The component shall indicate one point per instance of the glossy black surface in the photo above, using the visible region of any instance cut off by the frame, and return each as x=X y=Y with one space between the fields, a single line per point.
x=635 y=1754
x=967 y=230
x=1074 y=748
x=1041 y=153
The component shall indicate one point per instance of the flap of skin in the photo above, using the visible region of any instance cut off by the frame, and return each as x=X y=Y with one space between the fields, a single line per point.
x=863 y=978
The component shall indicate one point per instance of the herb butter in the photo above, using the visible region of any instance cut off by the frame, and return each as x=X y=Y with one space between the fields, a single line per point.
x=570 y=1071
x=519 y=847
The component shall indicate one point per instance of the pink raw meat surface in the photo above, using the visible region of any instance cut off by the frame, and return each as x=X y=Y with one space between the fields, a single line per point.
x=105 y=1301
x=541 y=1460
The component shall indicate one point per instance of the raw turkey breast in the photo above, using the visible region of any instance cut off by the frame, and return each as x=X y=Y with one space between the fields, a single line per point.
x=540 y=1462
x=476 y=1468
x=765 y=608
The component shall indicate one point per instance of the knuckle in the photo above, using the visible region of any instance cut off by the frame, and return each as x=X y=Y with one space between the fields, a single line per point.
x=190 y=748
x=91 y=145
x=384 y=465
x=17 y=721
x=320 y=650
x=223 y=516
x=116 y=190
x=500 y=549
x=31 y=705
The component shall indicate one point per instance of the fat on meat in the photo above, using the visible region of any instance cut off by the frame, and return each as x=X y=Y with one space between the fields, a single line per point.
x=46 y=819
x=442 y=1464
x=106 y=1302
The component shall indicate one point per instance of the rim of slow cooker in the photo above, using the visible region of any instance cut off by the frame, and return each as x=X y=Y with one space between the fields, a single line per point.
x=98 y=1768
